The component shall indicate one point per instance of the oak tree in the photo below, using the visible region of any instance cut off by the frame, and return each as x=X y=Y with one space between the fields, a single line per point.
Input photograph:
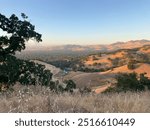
x=18 y=33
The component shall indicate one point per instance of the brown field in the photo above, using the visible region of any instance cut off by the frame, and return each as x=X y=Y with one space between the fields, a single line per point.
x=99 y=81
x=38 y=99
x=141 y=68
x=104 y=59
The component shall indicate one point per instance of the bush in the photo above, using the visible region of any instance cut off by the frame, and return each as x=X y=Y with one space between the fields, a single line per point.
x=130 y=82
x=85 y=90
x=95 y=58
x=145 y=81
x=131 y=65
x=70 y=86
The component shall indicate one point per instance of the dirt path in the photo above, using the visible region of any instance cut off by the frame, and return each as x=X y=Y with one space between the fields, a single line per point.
x=100 y=89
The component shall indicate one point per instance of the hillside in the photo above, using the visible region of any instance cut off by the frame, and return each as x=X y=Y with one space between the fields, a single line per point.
x=97 y=71
x=93 y=48
x=41 y=100
x=141 y=68
x=107 y=66
x=117 y=58
x=110 y=64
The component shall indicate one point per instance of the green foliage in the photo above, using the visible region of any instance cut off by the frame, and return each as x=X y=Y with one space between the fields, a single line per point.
x=14 y=70
x=29 y=73
x=89 y=70
x=70 y=85
x=131 y=65
x=9 y=69
x=130 y=82
x=115 y=61
x=19 y=31
x=25 y=72
x=145 y=81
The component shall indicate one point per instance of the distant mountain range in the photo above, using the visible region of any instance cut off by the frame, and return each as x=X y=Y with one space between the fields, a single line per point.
x=101 y=47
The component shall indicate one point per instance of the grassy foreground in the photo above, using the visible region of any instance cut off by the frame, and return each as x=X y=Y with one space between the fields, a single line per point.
x=43 y=100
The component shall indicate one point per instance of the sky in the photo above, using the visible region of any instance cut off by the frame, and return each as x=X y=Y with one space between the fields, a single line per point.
x=84 y=22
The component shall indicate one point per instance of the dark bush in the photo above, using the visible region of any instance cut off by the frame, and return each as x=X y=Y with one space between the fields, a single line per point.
x=70 y=86
x=130 y=82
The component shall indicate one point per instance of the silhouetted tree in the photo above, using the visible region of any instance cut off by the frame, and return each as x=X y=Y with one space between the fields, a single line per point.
x=19 y=32
x=14 y=70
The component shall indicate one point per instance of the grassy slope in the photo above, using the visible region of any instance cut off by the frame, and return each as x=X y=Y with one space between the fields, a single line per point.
x=42 y=100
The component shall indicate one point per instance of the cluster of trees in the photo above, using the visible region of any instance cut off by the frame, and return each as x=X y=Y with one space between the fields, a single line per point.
x=62 y=63
x=130 y=82
x=73 y=64
x=89 y=70
x=14 y=70
x=97 y=64
x=143 y=58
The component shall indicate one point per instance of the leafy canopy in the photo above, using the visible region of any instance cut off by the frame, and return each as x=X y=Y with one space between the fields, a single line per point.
x=18 y=33
x=14 y=70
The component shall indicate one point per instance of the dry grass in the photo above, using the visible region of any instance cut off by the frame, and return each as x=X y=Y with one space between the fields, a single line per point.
x=43 y=100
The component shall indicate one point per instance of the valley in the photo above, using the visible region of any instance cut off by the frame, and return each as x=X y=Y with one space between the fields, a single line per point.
x=97 y=71
x=75 y=56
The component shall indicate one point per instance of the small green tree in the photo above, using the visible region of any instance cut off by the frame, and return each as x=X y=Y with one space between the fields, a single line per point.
x=145 y=81
x=131 y=64
x=70 y=85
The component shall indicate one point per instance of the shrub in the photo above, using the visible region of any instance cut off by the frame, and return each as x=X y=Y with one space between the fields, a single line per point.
x=130 y=82
x=144 y=81
x=95 y=58
x=85 y=90
x=70 y=86
x=131 y=64
x=95 y=64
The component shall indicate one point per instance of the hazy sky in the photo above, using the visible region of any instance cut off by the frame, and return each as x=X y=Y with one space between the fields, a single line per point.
x=84 y=21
